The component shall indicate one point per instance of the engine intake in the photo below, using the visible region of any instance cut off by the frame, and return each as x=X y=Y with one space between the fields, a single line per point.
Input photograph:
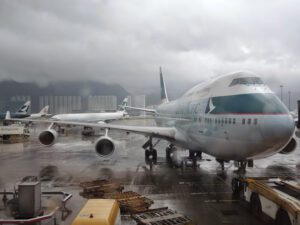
x=104 y=146
x=48 y=137
x=291 y=146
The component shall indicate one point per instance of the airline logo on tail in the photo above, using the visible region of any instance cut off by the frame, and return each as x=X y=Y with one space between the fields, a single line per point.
x=44 y=110
x=24 y=108
x=124 y=104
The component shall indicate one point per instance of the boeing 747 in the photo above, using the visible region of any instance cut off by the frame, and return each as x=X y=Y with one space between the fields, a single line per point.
x=233 y=117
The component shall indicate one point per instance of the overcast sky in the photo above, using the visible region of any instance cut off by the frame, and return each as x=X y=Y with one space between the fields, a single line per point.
x=126 y=41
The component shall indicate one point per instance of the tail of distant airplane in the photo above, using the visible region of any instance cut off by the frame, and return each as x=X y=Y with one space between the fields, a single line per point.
x=163 y=91
x=24 y=108
x=7 y=115
x=44 y=111
x=124 y=104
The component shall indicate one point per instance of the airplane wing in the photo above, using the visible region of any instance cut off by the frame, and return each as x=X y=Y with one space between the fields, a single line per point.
x=167 y=133
x=140 y=109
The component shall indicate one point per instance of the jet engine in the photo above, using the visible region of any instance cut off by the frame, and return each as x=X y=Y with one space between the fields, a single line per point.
x=291 y=146
x=48 y=137
x=105 y=146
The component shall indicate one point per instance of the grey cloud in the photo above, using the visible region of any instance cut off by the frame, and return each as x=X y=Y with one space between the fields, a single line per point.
x=125 y=42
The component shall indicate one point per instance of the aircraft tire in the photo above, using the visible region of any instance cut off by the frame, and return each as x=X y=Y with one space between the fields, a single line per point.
x=154 y=156
x=255 y=205
x=168 y=154
x=282 y=218
x=147 y=154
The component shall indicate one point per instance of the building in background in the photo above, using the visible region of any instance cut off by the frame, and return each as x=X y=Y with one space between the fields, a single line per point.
x=61 y=104
x=102 y=103
x=137 y=101
x=72 y=104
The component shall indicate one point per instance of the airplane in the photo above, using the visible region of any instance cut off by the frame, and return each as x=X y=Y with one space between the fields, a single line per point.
x=20 y=113
x=42 y=113
x=94 y=117
x=232 y=117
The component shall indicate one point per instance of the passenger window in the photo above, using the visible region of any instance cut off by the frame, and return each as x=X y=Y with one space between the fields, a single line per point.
x=255 y=121
x=243 y=121
x=249 y=121
x=229 y=120
x=225 y=120
x=222 y=121
x=233 y=121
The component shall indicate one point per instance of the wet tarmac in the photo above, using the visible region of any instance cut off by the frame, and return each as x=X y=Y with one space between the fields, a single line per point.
x=203 y=194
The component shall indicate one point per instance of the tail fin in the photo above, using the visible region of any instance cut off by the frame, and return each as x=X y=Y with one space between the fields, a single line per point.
x=124 y=104
x=44 y=111
x=7 y=115
x=24 y=108
x=163 y=91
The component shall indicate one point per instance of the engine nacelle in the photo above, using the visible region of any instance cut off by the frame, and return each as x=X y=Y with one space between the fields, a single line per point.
x=48 y=137
x=105 y=146
x=291 y=146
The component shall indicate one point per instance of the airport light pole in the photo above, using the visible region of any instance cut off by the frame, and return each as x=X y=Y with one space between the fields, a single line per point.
x=281 y=87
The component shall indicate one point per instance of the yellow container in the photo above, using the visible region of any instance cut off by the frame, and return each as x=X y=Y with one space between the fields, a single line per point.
x=99 y=212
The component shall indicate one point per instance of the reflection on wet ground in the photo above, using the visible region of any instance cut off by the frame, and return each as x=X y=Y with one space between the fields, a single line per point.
x=203 y=194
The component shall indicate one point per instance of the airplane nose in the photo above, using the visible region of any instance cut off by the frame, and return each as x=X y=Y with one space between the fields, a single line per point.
x=277 y=131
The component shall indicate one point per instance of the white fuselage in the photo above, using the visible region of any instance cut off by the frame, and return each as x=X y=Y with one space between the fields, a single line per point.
x=229 y=119
x=90 y=117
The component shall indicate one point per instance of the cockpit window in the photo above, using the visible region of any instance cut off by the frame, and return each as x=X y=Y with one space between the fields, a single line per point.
x=256 y=103
x=246 y=81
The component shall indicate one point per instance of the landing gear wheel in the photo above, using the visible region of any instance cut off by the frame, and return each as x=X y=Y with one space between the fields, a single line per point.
x=250 y=163
x=234 y=185
x=255 y=205
x=168 y=154
x=191 y=154
x=147 y=154
x=237 y=188
x=199 y=155
x=150 y=156
x=154 y=156
x=282 y=218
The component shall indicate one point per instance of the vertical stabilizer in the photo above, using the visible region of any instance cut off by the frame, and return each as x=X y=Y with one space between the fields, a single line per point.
x=163 y=91
x=7 y=115
x=24 y=108
x=124 y=104
x=44 y=110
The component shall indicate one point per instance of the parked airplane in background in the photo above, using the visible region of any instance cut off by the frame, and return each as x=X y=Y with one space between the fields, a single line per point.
x=42 y=113
x=93 y=117
x=233 y=117
x=21 y=113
